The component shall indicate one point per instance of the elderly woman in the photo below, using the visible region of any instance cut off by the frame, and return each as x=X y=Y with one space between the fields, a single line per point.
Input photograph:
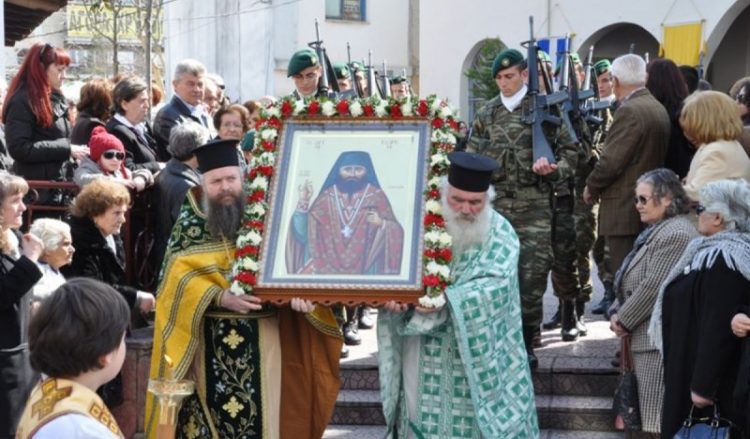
x=131 y=102
x=232 y=122
x=58 y=252
x=107 y=160
x=661 y=203
x=98 y=214
x=18 y=274
x=711 y=122
x=692 y=319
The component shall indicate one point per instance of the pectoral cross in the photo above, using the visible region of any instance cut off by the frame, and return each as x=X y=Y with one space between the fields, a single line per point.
x=347 y=232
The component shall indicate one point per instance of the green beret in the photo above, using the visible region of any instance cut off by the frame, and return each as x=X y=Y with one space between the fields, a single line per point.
x=301 y=60
x=399 y=79
x=576 y=60
x=602 y=66
x=544 y=56
x=357 y=66
x=505 y=59
x=341 y=70
x=248 y=142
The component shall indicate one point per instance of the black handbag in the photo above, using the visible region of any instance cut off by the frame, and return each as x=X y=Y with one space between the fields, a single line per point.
x=714 y=427
x=625 y=404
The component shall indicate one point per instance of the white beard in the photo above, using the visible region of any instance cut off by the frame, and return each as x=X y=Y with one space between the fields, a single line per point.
x=466 y=232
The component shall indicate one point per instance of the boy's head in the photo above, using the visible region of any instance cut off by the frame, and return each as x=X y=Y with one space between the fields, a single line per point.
x=79 y=328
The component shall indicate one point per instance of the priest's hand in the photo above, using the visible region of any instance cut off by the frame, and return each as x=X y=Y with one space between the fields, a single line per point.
x=393 y=306
x=242 y=304
x=543 y=167
x=302 y=305
x=740 y=325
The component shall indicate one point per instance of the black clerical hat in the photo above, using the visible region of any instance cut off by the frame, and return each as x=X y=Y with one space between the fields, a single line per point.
x=217 y=154
x=470 y=172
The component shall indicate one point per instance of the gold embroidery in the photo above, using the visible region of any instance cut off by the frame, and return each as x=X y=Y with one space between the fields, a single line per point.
x=233 y=407
x=102 y=414
x=191 y=429
x=233 y=339
x=51 y=395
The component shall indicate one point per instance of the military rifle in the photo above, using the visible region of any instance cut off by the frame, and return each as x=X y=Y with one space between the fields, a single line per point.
x=386 y=83
x=589 y=94
x=325 y=85
x=539 y=105
x=355 y=83
x=372 y=83
x=569 y=85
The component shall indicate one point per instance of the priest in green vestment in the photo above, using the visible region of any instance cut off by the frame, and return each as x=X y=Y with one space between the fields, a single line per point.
x=461 y=371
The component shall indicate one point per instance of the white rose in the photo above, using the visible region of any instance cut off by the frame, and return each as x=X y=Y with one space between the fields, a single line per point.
x=269 y=134
x=439 y=301
x=432 y=302
x=249 y=264
x=433 y=267
x=435 y=106
x=433 y=206
x=355 y=108
x=259 y=183
x=407 y=108
x=434 y=182
x=236 y=289
x=381 y=109
x=273 y=112
x=258 y=210
x=444 y=271
x=432 y=237
x=254 y=237
x=328 y=108
x=267 y=158
x=438 y=159
x=445 y=239
x=299 y=107
x=446 y=112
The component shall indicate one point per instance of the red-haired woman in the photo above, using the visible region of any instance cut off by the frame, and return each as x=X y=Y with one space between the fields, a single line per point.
x=37 y=128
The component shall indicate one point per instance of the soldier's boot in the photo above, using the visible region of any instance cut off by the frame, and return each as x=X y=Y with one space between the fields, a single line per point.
x=581 y=322
x=528 y=335
x=569 y=321
x=554 y=321
x=607 y=300
x=536 y=340
x=351 y=334
x=365 y=319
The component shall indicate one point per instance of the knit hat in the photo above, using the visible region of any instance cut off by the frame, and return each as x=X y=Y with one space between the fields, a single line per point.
x=102 y=141
x=505 y=59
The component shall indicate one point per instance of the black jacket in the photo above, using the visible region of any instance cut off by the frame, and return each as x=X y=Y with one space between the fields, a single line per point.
x=172 y=184
x=17 y=277
x=141 y=153
x=94 y=259
x=172 y=114
x=85 y=124
x=38 y=152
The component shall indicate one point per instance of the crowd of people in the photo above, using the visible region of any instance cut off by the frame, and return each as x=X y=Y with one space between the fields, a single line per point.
x=677 y=285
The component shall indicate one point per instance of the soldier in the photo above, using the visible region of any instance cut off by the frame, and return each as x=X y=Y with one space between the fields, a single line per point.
x=400 y=87
x=304 y=68
x=343 y=77
x=358 y=70
x=523 y=185
x=603 y=71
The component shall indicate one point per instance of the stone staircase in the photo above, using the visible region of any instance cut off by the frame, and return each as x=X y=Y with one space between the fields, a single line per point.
x=574 y=386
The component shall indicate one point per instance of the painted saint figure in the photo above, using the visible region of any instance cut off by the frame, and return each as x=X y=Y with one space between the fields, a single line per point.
x=349 y=228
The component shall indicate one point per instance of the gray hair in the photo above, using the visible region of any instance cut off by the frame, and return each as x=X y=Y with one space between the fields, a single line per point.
x=731 y=200
x=189 y=67
x=50 y=231
x=666 y=183
x=630 y=70
x=184 y=138
x=126 y=90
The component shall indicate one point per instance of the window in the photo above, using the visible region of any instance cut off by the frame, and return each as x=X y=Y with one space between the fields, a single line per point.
x=346 y=10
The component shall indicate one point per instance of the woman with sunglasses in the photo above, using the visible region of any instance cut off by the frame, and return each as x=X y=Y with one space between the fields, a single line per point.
x=662 y=204
x=693 y=318
x=711 y=122
x=35 y=113
x=743 y=103
x=107 y=160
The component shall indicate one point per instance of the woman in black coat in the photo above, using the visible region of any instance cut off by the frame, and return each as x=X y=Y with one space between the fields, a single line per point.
x=131 y=101
x=704 y=291
x=93 y=109
x=35 y=113
x=18 y=274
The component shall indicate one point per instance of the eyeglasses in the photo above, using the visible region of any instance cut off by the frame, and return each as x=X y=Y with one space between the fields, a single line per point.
x=699 y=209
x=641 y=199
x=740 y=97
x=109 y=155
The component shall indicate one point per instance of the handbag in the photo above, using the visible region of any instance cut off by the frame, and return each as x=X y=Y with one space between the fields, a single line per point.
x=714 y=427
x=625 y=404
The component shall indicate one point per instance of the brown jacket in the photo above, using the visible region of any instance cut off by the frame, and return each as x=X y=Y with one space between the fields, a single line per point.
x=637 y=142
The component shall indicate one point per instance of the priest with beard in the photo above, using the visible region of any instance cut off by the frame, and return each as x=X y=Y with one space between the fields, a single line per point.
x=253 y=365
x=461 y=370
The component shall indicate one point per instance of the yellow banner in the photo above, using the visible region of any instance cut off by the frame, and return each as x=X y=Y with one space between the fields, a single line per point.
x=82 y=23
x=683 y=43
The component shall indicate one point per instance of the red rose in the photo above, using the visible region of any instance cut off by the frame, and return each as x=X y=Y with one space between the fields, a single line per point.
x=431 y=280
x=437 y=123
x=453 y=124
x=445 y=254
x=433 y=194
x=249 y=250
x=422 y=108
x=268 y=146
x=430 y=253
x=286 y=108
x=256 y=225
x=257 y=196
x=259 y=123
x=266 y=170
x=436 y=220
x=246 y=278
x=313 y=108
x=396 y=111
x=252 y=174
x=274 y=123
x=367 y=110
x=343 y=107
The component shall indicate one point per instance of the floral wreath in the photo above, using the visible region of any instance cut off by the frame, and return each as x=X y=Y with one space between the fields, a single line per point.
x=437 y=242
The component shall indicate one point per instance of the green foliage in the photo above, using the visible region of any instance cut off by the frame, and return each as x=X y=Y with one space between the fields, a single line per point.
x=483 y=86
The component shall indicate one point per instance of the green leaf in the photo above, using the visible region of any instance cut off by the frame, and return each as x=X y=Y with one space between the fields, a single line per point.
x=483 y=85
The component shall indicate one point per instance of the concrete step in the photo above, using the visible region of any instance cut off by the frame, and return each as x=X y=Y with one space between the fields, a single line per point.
x=583 y=413
x=354 y=432
x=358 y=407
x=359 y=377
x=575 y=434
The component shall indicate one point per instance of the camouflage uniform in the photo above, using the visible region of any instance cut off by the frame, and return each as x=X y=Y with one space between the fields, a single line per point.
x=523 y=197
x=600 y=251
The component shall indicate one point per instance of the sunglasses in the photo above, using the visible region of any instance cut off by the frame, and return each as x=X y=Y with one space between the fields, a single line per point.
x=44 y=50
x=699 y=209
x=641 y=199
x=109 y=155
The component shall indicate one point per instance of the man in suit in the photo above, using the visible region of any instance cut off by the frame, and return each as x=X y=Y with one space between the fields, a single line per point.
x=186 y=104
x=637 y=142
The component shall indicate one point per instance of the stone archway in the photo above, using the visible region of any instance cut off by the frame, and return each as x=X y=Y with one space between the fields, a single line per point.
x=729 y=47
x=615 y=40
x=468 y=101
